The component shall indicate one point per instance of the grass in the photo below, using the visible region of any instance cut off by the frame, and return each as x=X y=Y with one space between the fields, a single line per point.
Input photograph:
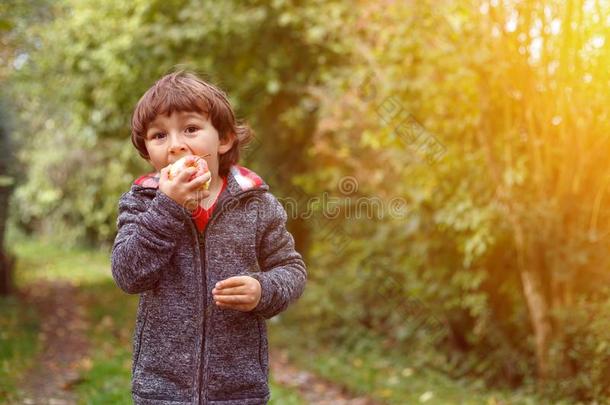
x=46 y=260
x=113 y=314
x=18 y=344
x=284 y=396
x=364 y=367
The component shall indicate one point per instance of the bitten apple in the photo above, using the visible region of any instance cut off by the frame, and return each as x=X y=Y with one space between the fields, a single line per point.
x=190 y=161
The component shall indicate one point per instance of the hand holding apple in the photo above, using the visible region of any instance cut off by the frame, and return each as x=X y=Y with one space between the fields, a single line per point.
x=185 y=184
x=190 y=161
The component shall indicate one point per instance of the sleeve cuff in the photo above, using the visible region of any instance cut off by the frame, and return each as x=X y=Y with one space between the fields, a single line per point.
x=170 y=205
x=167 y=214
x=266 y=294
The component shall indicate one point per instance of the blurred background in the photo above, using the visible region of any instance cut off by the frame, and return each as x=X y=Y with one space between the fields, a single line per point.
x=445 y=164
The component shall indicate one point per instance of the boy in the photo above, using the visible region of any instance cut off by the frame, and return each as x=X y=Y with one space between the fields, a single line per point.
x=209 y=266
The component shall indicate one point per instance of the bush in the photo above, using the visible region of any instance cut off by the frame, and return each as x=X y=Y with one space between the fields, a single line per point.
x=582 y=355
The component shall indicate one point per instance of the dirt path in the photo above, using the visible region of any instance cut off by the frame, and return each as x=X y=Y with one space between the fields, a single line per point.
x=315 y=390
x=63 y=343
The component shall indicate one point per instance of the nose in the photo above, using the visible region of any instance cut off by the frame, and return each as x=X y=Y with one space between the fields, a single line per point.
x=176 y=144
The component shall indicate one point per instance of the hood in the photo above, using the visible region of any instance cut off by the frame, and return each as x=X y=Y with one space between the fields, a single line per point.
x=243 y=178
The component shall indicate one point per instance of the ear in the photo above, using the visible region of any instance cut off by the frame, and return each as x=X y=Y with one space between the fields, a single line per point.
x=227 y=143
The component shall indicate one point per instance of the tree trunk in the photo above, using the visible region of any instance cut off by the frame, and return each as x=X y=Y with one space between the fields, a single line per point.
x=6 y=188
x=302 y=238
x=539 y=311
x=7 y=262
x=531 y=269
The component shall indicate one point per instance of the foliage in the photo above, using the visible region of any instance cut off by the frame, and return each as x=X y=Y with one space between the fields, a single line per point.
x=586 y=346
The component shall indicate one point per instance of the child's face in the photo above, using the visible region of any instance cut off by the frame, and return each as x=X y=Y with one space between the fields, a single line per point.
x=183 y=133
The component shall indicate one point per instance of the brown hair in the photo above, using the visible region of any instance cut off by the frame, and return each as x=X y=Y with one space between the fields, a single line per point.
x=185 y=91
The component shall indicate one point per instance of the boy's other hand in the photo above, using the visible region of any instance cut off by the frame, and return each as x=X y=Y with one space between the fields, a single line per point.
x=240 y=292
x=180 y=189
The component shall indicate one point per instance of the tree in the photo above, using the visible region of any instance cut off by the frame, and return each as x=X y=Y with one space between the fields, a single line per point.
x=7 y=174
x=15 y=16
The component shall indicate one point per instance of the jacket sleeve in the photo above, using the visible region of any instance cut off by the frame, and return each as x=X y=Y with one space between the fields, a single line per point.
x=145 y=240
x=282 y=271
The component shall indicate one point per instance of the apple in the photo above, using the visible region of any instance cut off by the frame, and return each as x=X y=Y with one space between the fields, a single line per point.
x=190 y=161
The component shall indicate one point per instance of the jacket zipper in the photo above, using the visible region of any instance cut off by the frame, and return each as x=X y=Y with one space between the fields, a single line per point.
x=201 y=252
x=201 y=243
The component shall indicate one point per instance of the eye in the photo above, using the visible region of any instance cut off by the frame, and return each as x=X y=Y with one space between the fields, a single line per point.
x=191 y=129
x=157 y=135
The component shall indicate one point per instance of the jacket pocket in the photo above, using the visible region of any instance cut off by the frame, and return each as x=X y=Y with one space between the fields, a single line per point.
x=235 y=366
x=166 y=360
x=138 y=337
x=263 y=351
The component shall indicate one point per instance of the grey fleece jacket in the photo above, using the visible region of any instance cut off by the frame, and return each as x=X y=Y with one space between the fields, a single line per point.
x=186 y=350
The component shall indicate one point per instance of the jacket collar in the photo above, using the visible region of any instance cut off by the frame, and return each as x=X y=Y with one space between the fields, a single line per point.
x=241 y=179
